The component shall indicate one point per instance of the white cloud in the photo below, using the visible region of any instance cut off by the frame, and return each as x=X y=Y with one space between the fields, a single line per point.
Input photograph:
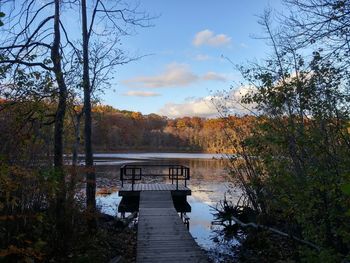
x=214 y=76
x=226 y=102
x=136 y=93
x=207 y=37
x=175 y=75
x=229 y=103
x=202 y=107
x=202 y=57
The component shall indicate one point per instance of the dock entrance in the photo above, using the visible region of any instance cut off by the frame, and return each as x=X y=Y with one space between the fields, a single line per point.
x=163 y=234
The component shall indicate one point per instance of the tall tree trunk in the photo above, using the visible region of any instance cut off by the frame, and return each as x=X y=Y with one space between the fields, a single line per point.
x=59 y=124
x=61 y=108
x=75 y=149
x=90 y=173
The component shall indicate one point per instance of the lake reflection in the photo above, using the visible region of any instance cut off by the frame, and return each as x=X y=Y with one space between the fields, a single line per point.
x=209 y=184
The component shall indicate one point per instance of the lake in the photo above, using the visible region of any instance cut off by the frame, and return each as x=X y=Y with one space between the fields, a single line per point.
x=209 y=184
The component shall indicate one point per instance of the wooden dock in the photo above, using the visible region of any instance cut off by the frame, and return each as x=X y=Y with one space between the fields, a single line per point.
x=127 y=190
x=162 y=236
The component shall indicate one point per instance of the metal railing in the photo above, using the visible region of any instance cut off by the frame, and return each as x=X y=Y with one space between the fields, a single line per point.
x=133 y=173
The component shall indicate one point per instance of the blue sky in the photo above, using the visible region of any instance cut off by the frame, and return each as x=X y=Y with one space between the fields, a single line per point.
x=186 y=43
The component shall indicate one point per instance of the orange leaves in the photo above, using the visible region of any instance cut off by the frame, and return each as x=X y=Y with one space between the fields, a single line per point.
x=116 y=130
x=137 y=116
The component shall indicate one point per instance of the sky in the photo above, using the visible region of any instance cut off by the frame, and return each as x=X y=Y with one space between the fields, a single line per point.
x=185 y=55
x=188 y=45
x=189 y=54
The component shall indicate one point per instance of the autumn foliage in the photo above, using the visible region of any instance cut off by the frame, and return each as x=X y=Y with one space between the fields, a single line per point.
x=116 y=130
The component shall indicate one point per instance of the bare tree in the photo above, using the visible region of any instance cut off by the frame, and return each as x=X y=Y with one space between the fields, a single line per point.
x=33 y=43
x=32 y=32
x=89 y=162
x=106 y=15
x=323 y=24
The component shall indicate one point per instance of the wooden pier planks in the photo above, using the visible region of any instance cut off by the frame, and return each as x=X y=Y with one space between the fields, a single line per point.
x=126 y=190
x=162 y=236
x=154 y=187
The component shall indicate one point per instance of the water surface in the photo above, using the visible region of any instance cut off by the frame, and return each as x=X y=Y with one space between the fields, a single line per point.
x=209 y=184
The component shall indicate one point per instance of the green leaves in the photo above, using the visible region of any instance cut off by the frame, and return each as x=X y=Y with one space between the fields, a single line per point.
x=346 y=189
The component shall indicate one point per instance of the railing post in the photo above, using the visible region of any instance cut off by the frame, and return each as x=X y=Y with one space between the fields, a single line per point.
x=172 y=175
x=132 y=179
x=122 y=175
x=177 y=179
x=135 y=172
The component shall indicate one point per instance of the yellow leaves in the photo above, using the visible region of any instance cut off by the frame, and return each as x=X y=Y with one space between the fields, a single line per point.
x=136 y=115
x=103 y=109
x=180 y=124
x=77 y=108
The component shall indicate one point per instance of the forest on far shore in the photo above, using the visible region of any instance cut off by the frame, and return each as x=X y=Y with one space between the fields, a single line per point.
x=120 y=130
x=116 y=130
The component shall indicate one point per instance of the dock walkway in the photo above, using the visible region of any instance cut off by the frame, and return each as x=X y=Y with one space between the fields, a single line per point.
x=154 y=187
x=162 y=236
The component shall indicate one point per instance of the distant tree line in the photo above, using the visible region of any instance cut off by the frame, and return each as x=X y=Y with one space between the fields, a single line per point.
x=113 y=130
x=116 y=130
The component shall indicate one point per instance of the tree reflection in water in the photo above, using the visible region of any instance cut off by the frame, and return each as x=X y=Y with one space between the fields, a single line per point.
x=227 y=234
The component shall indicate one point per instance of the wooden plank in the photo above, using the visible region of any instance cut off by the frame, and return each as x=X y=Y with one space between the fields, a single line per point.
x=153 y=187
x=162 y=236
x=127 y=191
